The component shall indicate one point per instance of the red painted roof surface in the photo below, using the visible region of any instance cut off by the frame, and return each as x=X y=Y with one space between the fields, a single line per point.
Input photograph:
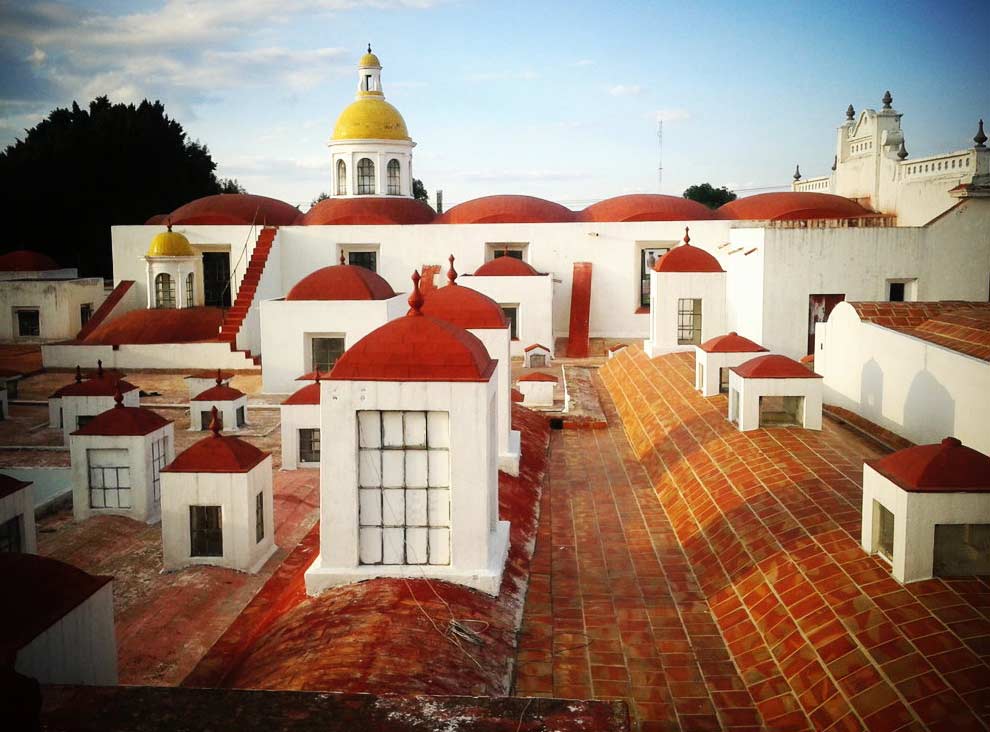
x=534 y=346
x=217 y=454
x=537 y=376
x=106 y=308
x=39 y=592
x=505 y=266
x=617 y=347
x=187 y=325
x=774 y=366
x=120 y=421
x=210 y=374
x=464 y=307
x=947 y=467
x=516 y=396
x=219 y=393
x=341 y=282
x=509 y=209
x=232 y=209
x=367 y=211
x=791 y=206
x=960 y=326
x=97 y=386
x=687 y=258
x=24 y=260
x=578 y=339
x=309 y=394
x=10 y=485
x=375 y=636
x=646 y=207
x=415 y=348
x=732 y=342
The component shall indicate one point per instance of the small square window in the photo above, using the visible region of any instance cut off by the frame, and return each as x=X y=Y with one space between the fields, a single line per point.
x=309 y=446
x=28 y=323
x=85 y=313
x=325 y=353
x=205 y=531
x=11 y=539
x=206 y=417
x=368 y=260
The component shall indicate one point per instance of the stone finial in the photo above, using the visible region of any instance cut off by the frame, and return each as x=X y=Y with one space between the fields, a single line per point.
x=215 y=422
x=835 y=162
x=343 y=260
x=797 y=172
x=687 y=236
x=219 y=380
x=118 y=397
x=415 y=297
x=981 y=138
x=451 y=272
x=78 y=374
x=902 y=152
x=850 y=113
x=887 y=99
x=317 y=376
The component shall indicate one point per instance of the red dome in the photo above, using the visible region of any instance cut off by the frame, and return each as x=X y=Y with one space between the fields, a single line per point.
x=97 y=386
x=166 y=325
x=731 y=343
x=217 y=454
x=791 y=206
x=341 y=282
x=686 y=258
x=464 y=307
x=507 y=210
x=415 y=348
x=774 y=367
x=948 y=466
x=23 y=260
x=367 y=211
x=505 y=266
x=537 y=376
x=646 y=207
x=233 y=209
x=309 y=394
x=219 y=393
x=121 y=421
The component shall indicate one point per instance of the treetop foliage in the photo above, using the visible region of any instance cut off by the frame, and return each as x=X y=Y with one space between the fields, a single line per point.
x=707 y=194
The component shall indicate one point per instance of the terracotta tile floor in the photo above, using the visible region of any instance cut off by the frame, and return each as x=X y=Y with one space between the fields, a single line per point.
x=769 y=521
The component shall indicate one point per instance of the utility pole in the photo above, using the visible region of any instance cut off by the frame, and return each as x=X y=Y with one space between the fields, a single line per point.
x=659 y=156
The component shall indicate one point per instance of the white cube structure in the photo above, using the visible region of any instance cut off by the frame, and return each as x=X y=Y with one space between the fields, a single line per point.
x=75 y=404
x=320 y=317
x=60 y=628
x=117 y=459
x=217 y=505
x=199 y=381
x=537 y=389
x=536 y=356
x=525 y=295
x=687 y=300
x=926 y=510
x=482 y=316
x=409 y=484
x=17 y=528
x=774 y=391
x=714 y=358
x=230 y=403
x=301 y=435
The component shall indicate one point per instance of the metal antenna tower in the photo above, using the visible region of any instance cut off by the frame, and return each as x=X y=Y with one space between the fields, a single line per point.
x=659 y=156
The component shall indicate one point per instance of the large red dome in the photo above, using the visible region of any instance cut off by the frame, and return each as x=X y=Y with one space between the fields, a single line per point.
x=791 y=206
x=686 y=258
x=464 y=307
x=367 y=211
x=506 y=266
x=508 y=210
x=232 y=209
x=947 y=466
x=23 y=260
x=646 y=207
x=341 y=282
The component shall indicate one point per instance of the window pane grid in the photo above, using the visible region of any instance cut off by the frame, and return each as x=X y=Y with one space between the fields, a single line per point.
x=326 y=351
x=190 y=288
x=341 y=178
x=157 y=463
x=309 y=445
x=366 y=176
x=164 y=291
x=688 y=321
x=393 y=177
x=109 y=487
x=205 y=531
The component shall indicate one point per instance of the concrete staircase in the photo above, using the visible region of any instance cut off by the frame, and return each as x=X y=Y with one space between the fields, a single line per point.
x=235 y=316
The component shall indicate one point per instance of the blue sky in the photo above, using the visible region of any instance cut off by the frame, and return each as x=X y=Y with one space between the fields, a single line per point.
x=554 y=99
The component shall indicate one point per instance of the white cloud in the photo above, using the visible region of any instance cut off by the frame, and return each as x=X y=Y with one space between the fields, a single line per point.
x=502 y=75
x=37 y=57
x=671 y=115
x=624 y=90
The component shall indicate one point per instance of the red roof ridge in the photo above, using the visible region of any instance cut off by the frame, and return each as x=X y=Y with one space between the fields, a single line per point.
x=774 y=366
x=731 y=342
x=219 y=393
x=538 y=376
x=535 y=345
x=948 y=466
x=122 y=421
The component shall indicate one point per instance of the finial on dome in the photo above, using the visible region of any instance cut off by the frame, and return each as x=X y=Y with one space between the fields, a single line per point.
x=902 y=152
x=687 y=236
x=78 y=374
x=219 y=380
x=168 y=224
x=118 y=397
x=451 y=272
x=215 y=422
x=317 y=376
x=797 y=172
x=369 y=48
x=415 y=297
x=835 y=162
x=948 y=442
x=981 y=137
x=887 y=99
x=850 y=113
x=342 y=259
x=99 y=368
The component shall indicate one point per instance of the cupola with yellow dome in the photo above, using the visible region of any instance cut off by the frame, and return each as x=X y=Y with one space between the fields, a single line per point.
x=171 y=271
x=370 y=149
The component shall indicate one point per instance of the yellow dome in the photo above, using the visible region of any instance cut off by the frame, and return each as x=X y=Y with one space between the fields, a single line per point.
x=370 y=119
x=369 y=60
x=170 y=244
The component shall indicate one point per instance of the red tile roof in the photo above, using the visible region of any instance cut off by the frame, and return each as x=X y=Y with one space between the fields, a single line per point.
x=219 y=393
x=774 y=366
x=507 y=210
x=537 y=376
x=97 y=386
x=790 y=206
x=947 y=467
x=309 y=394
x=341 y=282
x=506 y=266
x=367 y=211
x=732 y=342
x=954 y=324
x=40 y=592
x=687 y=258
x=10 y=485
x=646 y=207
x=159 y=326
x=529 y=348
x=516 y=396
x=120 y=421
x=23 y=260
x=217 y=454
x=232 y=209
x=464 y=307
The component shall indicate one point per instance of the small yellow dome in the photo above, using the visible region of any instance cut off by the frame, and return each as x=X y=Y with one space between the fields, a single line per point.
x=370 y=119
x=170 y=244
x=369 y=60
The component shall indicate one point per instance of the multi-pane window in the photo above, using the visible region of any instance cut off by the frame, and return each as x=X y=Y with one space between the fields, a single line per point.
x=341 y=178
x=648 y=258
x=28 y=323
x=205 y=531
x=688 y=321
x=164 y=291
x=309 y=445
x=511 y=313
x=158 y=460
x=394 y=187
x=365 y=176
x=326 y=351
x=190 y=290
x=494 y=250
x=259 y=517
x=404 y=487
x=10 y=535
x=85 y=313
x=109 y=478
x=368 y=260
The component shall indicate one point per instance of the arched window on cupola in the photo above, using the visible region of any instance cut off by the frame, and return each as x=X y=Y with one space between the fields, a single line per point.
x=394 y=186
x=341 y=178
x=365 y=176
x=164 y=291
x=190 y=290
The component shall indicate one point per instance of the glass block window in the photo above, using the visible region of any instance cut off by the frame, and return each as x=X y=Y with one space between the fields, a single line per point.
x=309 y=446
x=326 y=351
x=158 y=461
x=368 y=260
x=109 y=478
x=164 y=291
x=688 y=321
x=365 y=176
x=259 y=517
x=404 y=487
x=205 y=531
x=10 y=535
x=341 y=178
x=394 y=187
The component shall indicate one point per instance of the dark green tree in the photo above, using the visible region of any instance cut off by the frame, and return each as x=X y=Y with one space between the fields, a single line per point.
x=419 y=191
x=231 y=185
x=322 y=197
x=81 y=171
x=710 y=196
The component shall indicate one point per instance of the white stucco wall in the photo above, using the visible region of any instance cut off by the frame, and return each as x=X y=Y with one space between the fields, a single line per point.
x=745 y=393
x=708 y=366
x=200 y=355
x=666 y=288
x=534 y=298
x=297 y=417
x=49 y=483
x=21 y=504
x=227 y=410
x=57 y=301
x=74 y=407
x=496 y=342
x=537 y=393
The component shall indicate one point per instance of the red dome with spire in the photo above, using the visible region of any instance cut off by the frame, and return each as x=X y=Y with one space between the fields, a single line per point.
x=232 y=209
x=646 y=207
x=792 y=206
x=774 y=367
x=948 y=466
x=686 y=258
x=463 y=306
x=341 y=282
x=731 y=342
x=506 y=266
x=123 y=421
x=217 y=454
x=508 y=210
x=367 y=211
